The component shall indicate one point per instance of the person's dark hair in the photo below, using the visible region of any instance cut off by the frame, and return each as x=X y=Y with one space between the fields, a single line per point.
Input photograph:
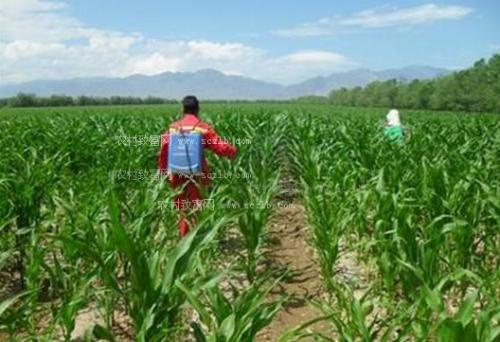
x=190 y=104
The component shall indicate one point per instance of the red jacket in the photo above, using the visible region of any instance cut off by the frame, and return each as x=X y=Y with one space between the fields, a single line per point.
x=210 y=140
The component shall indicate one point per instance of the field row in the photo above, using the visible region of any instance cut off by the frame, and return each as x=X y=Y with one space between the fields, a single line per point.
x=84 y=225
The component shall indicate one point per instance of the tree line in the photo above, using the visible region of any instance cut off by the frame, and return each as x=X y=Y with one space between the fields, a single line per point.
x=476 y=89
x=31 y=100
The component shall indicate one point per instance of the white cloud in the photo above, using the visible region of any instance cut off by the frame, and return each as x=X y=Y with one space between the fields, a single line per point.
x=218 y=51
x=316 y=57
x=19 y=6
x=39 y=40
x=304 y=64
x=407 y=16
x=24 y=49
x=181 y=55
x=385 y=17
x=40 y=21
x=152 y=64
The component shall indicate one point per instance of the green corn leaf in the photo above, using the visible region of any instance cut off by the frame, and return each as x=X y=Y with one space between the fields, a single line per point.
x=451 y=331
x=227 y=328
x=464 y=314
x=432 y=299
x=7 y=303
x=102 y=333
x=195 y=302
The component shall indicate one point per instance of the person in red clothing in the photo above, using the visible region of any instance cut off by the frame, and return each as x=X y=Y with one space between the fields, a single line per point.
x=192 y=186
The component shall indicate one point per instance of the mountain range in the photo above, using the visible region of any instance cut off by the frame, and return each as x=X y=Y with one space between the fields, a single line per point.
x=213 y=84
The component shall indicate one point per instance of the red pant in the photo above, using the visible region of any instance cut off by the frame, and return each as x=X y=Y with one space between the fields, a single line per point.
x=189 y=198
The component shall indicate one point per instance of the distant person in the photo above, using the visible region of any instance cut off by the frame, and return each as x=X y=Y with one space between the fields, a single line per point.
x=182 y=158
x=393 y=129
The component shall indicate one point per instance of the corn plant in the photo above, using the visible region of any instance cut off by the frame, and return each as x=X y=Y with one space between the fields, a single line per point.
x=150 y=294
x=324 y=204
x=431 y=319
x=254 y=199
x=413 y=212
x=235 y=317
x=349 y=319
x=26 y=191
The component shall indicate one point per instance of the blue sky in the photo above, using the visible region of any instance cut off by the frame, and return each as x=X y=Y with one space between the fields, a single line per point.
x=280 y=41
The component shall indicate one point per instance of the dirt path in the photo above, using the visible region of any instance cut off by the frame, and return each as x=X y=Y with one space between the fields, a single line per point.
x=289 y=248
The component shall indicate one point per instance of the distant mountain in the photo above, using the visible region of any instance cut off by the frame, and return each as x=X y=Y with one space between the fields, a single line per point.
x=207 y=84
x=361 y=77
x=212 y=84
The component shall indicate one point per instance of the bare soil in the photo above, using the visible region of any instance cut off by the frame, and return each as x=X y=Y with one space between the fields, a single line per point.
x=289 y=248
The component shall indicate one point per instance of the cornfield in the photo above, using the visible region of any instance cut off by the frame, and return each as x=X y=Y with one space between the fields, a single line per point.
x=87 y=225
